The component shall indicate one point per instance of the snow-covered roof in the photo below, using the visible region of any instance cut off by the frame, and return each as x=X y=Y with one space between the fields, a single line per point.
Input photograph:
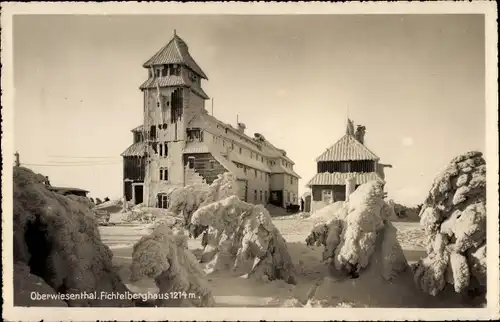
x=137 y=150
x=176 y=51
x=171 y=80
x=347 y=148
x=339 y=178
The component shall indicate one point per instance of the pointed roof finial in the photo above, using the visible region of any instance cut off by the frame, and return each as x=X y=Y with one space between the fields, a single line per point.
x=175 y=32
x=349 y=124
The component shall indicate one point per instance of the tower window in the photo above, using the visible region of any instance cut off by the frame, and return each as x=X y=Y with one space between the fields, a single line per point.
x=158 y=71
x=152 y=133
x=175 y=70
x=163 y=174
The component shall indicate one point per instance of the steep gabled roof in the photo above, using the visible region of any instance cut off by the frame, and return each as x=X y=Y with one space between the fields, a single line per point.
x=347 y=148
x=175 y=52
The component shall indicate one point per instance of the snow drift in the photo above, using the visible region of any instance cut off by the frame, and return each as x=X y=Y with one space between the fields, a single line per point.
x=163 y=256
x=56 y=239
x=454 y=218
x=242 y=237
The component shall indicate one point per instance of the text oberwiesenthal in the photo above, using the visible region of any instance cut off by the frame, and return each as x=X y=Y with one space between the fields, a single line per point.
x=36 y=296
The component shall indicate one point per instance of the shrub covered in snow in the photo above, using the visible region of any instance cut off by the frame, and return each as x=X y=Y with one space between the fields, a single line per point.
x=57 y=238
x=454 y=218
x=366 y=262
x=242 y=237
x=164 y=257
x=350 y=236
x=188 y=199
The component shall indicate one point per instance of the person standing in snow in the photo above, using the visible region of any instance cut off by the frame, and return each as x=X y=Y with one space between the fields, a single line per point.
x=301 y=204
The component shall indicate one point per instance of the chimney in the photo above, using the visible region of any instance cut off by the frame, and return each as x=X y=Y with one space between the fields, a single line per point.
x=360 y=134
x=241 y=127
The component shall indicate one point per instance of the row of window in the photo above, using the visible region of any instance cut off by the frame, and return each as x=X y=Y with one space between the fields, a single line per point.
x=166 y=70
x=239 y=137
x=253 y=155
x=260 y=197
x=256 y=173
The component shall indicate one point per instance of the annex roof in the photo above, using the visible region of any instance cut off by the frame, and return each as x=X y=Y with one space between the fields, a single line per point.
x=339 y=178
x=347 y=148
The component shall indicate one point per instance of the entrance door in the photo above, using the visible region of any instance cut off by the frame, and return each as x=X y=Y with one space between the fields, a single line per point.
x=139 y=194
x=128 y=190
x=327 y=196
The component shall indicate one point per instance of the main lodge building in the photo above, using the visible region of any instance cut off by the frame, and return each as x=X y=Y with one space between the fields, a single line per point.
x=179 y=143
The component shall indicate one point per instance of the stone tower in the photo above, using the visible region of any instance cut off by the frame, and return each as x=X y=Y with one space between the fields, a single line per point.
x=172 y=96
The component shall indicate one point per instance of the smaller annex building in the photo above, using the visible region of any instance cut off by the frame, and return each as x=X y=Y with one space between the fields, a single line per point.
x=344 y=166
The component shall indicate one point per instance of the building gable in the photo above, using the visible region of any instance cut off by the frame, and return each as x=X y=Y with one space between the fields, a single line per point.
x=347 y=148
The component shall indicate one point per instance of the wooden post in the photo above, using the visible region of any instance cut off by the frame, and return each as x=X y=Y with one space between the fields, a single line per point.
x=350 y=186
x=17 y=162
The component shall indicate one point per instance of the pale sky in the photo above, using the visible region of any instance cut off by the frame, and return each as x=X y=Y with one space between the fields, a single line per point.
x=415 y=81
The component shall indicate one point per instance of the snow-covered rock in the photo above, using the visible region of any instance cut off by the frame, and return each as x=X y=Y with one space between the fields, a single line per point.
x=56 y=239
x=454 y=218
x=242 y=237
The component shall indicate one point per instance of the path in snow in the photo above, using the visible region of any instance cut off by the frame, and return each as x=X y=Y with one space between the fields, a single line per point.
x=237 y=292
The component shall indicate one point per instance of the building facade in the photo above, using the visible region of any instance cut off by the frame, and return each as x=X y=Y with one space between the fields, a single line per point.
x=180 y=143
x=343 y=167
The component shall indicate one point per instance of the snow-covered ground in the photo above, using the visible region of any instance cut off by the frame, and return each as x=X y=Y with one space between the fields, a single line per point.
x=238 y=292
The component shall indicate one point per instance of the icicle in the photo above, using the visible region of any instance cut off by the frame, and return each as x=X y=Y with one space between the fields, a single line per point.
x=159 y=101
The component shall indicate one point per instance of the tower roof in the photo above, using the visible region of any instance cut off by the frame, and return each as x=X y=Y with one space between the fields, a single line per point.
x=175 y=52
x=347 y=149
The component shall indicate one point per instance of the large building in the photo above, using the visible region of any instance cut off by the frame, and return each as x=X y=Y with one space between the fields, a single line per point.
x=180 y=143
x=343 y=167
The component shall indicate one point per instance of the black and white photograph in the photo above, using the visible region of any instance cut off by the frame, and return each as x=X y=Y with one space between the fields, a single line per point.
x=269 y=162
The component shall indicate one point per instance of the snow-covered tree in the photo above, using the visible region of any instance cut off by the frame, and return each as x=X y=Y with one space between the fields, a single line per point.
x=163 y=256
x=242 y=237
x=188 y=199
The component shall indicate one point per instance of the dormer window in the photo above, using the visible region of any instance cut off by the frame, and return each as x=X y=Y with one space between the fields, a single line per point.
x=194 y=134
